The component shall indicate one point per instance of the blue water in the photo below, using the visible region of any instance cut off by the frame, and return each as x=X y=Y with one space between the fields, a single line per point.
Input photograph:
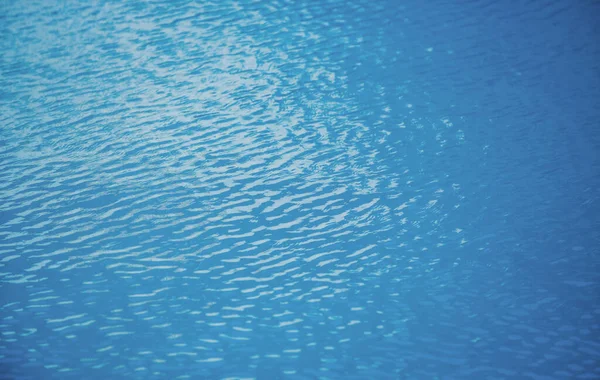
x=306 y=189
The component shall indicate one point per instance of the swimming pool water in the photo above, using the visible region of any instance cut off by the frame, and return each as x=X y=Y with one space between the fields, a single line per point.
x=299 y=190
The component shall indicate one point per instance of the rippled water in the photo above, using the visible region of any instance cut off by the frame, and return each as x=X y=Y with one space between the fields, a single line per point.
x=299 y=189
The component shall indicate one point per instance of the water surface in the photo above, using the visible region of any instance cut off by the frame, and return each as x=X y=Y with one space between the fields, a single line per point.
x=299 y=189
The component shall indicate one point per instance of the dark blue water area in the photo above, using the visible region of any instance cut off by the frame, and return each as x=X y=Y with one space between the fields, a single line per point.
x=299 y=189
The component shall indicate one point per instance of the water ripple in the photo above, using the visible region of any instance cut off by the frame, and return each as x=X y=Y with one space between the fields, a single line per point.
x=240 y=190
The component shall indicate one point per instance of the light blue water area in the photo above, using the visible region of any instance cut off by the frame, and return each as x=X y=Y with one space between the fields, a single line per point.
x=311 y=189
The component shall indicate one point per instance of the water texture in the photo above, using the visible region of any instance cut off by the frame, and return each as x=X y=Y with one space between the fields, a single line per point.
x=311 y=189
